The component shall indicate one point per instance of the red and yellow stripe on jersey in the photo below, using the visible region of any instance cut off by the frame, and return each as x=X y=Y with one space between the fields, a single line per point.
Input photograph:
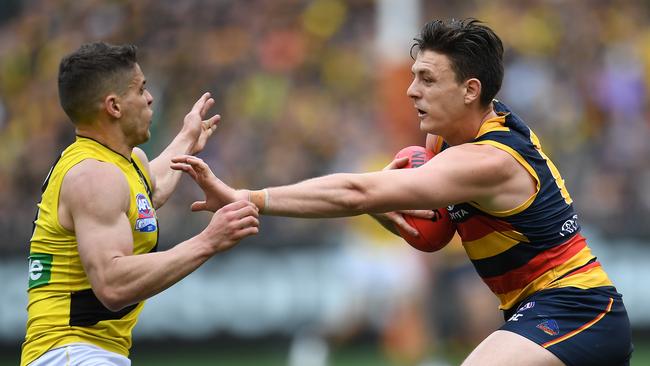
x=536 y=245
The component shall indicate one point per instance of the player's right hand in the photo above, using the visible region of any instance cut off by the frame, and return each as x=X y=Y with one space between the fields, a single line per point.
x=230 y=224
x=217 y=193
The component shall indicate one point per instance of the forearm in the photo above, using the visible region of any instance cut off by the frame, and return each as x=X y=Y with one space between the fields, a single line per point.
x=335 y=195
x=166 y=178
x=130 y=279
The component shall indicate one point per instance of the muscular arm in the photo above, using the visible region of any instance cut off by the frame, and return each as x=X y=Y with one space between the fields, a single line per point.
x=95 y=200
x=465 y=173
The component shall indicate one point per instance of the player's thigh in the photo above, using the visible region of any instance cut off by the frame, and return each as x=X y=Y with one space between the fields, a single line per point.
x=504 y=348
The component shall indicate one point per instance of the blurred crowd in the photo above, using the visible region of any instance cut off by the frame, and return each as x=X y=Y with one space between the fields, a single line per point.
x=303 y=91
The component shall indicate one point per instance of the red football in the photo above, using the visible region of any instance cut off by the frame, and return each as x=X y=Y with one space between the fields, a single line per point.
x=436 y=232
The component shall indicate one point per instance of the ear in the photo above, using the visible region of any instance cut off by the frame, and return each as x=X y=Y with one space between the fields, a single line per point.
x=112 y=106
x=472 y=90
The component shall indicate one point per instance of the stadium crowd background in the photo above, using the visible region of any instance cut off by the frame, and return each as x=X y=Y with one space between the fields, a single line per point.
x=303 y=91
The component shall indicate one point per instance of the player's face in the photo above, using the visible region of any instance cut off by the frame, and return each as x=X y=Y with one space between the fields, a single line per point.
x=438 y=97
x=137 y=110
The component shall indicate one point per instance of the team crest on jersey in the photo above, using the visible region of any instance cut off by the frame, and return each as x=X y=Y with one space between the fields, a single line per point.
x=570 y=226
x=146 y=221
x=549 y=327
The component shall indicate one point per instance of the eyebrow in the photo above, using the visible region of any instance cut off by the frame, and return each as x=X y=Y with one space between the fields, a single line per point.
x=426 y=72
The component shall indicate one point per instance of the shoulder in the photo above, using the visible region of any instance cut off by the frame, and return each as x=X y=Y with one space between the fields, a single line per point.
x=141 y=155
x=144 y=161
x=487 y=162
x=95 y=186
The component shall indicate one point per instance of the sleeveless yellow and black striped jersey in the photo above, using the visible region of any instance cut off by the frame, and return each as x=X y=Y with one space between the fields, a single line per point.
x=62 y=307
x=537 y=245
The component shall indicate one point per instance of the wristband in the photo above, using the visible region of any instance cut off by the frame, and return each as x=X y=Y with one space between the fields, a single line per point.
x=259 y=198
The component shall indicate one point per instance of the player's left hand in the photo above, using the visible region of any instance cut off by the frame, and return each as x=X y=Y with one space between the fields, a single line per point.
x=196 y=126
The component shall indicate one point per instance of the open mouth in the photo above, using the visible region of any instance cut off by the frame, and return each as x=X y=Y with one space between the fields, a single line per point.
x=421 y=113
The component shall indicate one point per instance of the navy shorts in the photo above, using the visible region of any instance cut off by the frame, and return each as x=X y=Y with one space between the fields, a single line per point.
x=580 y=327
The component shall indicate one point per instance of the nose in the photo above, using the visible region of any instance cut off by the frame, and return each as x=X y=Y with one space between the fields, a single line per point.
x=413 y=92
x=149 y=97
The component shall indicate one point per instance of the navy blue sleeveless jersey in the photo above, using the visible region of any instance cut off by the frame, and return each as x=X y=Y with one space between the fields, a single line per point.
x=536 y=245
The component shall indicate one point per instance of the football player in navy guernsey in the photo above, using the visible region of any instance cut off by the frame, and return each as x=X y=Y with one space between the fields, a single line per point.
x=506 y=197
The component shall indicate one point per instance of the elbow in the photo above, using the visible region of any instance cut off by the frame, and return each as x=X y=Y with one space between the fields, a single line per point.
x=111 y=299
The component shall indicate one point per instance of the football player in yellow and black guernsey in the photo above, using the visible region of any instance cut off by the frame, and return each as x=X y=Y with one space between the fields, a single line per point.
x=93 y=258
x=507 y=199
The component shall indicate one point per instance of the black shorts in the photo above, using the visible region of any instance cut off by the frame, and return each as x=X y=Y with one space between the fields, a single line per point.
x=581 y=327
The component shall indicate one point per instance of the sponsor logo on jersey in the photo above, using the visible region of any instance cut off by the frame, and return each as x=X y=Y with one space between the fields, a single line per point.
x=527 y=306
x=456 y=214
x=549 y=327
x=146 y=221
x=40 y=269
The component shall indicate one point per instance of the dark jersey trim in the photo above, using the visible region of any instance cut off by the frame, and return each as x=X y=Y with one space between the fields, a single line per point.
x=87 y=310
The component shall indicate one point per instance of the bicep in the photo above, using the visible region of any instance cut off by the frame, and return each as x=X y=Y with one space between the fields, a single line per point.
x=453 y=176
x=97 y=195
x=100 y=239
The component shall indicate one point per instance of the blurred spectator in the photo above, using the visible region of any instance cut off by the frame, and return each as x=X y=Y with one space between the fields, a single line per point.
x=296 y=82
x=291 y=76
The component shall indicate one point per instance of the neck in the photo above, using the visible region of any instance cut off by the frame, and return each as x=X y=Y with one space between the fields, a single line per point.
x=489 y=114
x=106 y=138
x=468 y=127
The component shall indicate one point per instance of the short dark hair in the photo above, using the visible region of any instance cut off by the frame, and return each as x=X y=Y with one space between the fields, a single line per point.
x=90 y=73
x=473 y=49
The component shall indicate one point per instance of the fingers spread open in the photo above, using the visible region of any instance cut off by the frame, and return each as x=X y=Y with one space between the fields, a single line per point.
x=189 y=163
x=185 y=168
x=200 y=167
x=211 y=123
x=198 y=106
x=206 y=106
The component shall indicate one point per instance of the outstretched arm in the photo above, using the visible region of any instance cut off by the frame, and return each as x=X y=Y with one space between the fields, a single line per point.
x=94 y=203
x=190 y=140
x=465 y=173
